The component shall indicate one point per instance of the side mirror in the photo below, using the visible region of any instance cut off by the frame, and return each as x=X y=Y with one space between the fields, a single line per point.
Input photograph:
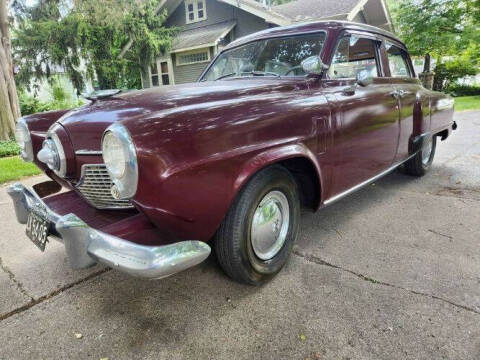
x=364 y=78
x=313 y=66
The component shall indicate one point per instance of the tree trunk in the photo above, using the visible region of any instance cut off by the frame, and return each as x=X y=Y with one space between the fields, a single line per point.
x=9 y=106
x=426 y=65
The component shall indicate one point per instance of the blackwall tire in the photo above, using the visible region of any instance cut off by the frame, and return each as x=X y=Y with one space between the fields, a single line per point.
x=256 y=237
x=422 y=161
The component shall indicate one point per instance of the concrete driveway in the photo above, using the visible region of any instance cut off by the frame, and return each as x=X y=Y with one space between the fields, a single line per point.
x=391 y=272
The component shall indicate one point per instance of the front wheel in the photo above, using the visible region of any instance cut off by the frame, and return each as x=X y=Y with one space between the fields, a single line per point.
x=422 y=161
x=256 y=237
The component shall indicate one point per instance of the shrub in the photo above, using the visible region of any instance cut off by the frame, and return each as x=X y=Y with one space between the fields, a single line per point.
x=9 y=148
x=31 y=105
x=463 y=90
x=61 y=99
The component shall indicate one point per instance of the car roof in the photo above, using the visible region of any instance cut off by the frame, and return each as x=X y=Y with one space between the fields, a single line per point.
x=302 y=28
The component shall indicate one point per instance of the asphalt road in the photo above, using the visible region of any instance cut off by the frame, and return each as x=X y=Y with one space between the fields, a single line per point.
x=391 y=272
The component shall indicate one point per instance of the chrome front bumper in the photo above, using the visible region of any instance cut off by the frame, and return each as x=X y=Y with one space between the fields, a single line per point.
x=86 y=246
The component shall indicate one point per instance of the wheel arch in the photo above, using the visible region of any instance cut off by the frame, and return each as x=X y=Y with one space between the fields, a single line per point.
x=297 y=159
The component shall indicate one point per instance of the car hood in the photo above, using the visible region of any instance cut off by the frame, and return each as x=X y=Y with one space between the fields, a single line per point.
x=86 y=125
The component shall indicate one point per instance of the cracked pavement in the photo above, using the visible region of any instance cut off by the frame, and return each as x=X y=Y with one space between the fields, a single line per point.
x=390 y=272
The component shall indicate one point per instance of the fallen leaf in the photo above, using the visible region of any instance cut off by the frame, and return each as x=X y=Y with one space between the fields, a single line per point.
x=303 y=338
x=78 y=335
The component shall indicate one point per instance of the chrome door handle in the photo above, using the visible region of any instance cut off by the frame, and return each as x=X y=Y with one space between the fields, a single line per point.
x=397 y=93
x=349 y=91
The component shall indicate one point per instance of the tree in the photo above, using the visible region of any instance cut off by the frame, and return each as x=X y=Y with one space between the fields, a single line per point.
x=85 y=38
x=9 y=107
x=440 y=28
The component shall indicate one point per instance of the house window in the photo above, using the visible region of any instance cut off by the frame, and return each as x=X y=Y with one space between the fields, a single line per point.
x=192 y=57
x=160 y=75
x=154 y=74
x=195 y=10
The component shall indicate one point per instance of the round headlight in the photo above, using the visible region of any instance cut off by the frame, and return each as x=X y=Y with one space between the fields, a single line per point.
x=113 y=155
x=22 y=136
x=120 y=159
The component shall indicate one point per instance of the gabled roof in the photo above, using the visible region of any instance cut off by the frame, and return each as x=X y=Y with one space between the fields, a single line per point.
x=292 y=12
x=202 y=37
x=310 y=10
x=258 y=9
x=301 y=10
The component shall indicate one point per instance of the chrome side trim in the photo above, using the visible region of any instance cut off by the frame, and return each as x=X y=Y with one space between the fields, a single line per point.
x=86 y=152
x=85 y=246
x=365 y=183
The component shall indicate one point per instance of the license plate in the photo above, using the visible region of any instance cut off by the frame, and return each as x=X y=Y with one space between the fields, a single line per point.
x=38 y=229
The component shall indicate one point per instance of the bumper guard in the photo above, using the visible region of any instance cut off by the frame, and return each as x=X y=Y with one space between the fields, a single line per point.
x=86 y=246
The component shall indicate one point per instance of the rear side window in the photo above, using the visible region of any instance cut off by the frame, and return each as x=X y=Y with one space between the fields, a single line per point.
x=397 y=61
x=354 y=55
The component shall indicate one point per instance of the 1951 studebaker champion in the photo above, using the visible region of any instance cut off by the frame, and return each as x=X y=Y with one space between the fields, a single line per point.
x=288 y=118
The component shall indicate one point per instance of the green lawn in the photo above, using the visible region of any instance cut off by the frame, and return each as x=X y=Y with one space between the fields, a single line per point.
x=14 y=168
x=467 y=103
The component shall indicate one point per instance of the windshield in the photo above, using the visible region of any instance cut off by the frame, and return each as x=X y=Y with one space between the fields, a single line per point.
x=270 y=57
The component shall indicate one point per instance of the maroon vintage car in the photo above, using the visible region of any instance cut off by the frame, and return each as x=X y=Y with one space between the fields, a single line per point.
x=288 y=118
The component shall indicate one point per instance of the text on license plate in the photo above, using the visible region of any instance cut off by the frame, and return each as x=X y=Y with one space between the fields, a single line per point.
x=37 y=230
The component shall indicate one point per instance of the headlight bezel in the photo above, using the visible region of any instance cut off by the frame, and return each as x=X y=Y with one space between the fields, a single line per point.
x=126 y=181
x=25 y=145
x=53 y=144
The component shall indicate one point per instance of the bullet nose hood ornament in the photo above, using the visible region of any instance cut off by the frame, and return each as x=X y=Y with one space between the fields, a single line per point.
x=102 y=94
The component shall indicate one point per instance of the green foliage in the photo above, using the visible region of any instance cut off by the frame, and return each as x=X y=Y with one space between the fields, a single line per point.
x=450 y=71
x=14 y=168
x=9 y=148
x=441 y=28
x=61 y=100
x=463 y=90
x=30 y=105
x=86 y=38
x=430 y=26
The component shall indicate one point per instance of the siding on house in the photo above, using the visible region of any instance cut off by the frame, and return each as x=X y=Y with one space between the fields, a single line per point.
x=188 y=73
x=247 y=23
x=217 y=12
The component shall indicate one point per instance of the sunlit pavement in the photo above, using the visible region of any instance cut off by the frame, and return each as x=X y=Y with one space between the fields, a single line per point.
x=391 y=272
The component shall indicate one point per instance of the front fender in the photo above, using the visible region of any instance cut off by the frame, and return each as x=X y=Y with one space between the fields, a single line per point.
x=272 y=156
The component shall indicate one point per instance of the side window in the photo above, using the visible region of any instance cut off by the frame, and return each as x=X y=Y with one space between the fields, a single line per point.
x=354 y=55
x=397 y=61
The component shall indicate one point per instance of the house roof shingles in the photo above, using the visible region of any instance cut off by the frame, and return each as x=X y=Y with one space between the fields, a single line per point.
x=301 y=10
x=205 y=35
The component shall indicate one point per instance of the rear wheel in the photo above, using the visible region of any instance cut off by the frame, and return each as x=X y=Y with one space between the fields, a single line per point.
x=422 y=161
x=256 y=237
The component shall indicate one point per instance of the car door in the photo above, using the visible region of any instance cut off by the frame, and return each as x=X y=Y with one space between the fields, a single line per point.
x=408 y=92
x=366 y=117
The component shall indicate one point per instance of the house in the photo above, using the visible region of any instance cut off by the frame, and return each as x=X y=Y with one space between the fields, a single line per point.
x=207 y=25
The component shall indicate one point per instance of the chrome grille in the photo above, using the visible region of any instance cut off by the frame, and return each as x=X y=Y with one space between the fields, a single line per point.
x=95 y=185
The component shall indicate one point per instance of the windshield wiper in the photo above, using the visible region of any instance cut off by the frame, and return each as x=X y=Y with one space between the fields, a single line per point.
x=261 y=73
x=225 y=76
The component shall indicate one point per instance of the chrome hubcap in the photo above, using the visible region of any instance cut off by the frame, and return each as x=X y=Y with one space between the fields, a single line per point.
x=270 y=225
x=427 y=151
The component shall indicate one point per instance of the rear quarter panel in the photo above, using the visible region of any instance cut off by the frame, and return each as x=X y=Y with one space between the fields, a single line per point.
x=442 y=109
